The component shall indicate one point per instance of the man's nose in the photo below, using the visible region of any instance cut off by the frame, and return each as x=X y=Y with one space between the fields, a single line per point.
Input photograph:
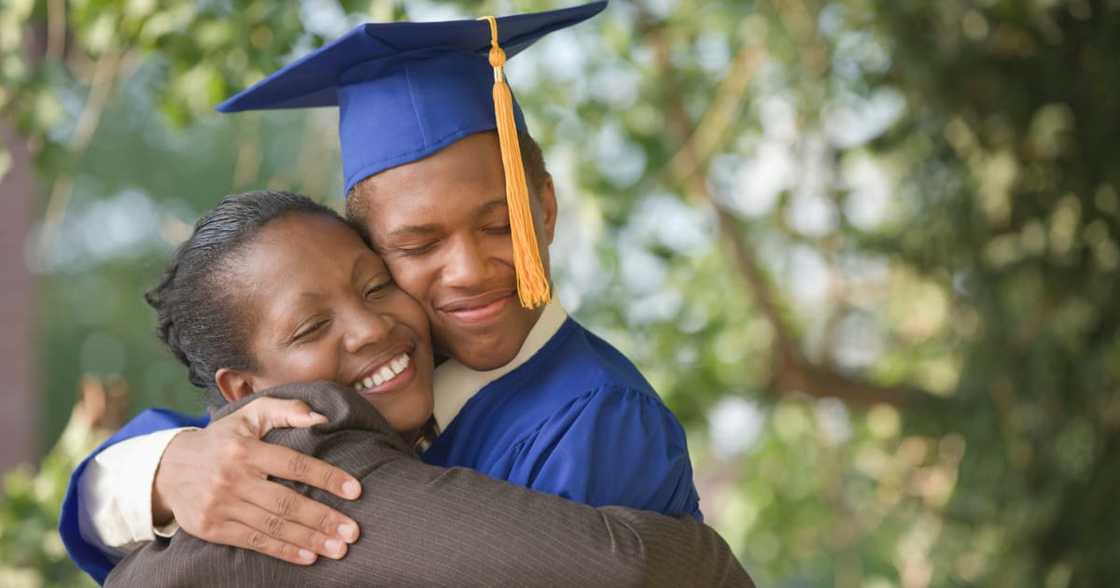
x=365 y=327
x=466 y=264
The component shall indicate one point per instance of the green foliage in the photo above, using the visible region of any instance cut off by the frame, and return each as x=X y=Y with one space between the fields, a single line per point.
x=867 y=250
x=33 y=553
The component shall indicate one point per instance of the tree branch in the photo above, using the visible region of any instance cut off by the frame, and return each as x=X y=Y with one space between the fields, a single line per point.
x=101 y=87
x=56 y=29
x=709 y=135
x=792 y=371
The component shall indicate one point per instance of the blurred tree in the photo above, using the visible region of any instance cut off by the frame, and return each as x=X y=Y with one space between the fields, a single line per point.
x=867 y=250
x=33 y=552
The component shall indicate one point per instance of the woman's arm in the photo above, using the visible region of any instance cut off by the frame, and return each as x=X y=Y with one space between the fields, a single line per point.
x=424 y=525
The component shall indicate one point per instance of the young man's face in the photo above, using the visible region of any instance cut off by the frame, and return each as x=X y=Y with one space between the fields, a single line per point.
x=442 y=226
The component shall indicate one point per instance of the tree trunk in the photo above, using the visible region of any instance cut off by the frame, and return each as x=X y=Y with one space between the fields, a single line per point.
x=19 y=405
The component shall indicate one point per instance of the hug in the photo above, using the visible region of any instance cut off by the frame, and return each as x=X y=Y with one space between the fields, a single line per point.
x=395 y=398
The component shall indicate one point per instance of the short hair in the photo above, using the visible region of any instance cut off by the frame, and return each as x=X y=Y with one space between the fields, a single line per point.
x=197 y=299
x=357 y=206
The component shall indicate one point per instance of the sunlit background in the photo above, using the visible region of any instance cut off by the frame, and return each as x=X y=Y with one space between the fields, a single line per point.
x=865 y=249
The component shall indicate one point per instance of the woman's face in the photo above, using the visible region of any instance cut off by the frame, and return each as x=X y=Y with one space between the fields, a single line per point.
x=322 y=306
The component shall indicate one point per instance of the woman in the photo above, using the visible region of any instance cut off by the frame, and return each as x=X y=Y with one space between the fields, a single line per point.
x=273 y=291
x=273 y=288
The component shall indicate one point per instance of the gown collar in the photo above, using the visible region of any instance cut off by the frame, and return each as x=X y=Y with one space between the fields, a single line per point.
x=454 y=383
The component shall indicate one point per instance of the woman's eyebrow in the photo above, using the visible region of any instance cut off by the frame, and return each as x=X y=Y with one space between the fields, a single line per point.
x=300 y=302
x=365 y=268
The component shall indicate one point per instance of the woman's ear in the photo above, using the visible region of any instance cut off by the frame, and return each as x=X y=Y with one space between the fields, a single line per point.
x=233 y=384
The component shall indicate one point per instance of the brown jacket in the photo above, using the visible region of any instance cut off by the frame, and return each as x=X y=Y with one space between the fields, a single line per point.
x=429 y=526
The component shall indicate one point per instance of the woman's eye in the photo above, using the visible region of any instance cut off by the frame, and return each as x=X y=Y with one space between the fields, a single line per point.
x=378 y=289
x=310 y=330
x=498 y=230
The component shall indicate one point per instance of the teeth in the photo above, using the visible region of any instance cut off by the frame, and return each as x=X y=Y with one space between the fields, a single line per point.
x=387 y=372
x=400 y=363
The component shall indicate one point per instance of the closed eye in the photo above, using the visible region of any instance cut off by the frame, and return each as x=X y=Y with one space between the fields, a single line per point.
x=379 y=288
x=417 y=250
x=497 y=230
x=308 y=332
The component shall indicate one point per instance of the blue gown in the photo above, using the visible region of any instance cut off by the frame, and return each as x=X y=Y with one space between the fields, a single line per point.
x=85 y=555
x=576 y=420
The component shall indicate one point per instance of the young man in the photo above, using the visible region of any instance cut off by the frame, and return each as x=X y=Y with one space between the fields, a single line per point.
x=433 y=167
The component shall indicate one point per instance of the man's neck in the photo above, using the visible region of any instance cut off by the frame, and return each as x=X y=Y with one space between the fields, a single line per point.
x=455 y=383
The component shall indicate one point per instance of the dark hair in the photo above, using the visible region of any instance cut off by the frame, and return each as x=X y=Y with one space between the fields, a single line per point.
x=357 y=203
x=196 y=302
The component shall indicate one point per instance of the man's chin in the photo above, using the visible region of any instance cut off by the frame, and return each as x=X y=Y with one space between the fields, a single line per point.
x=481 y=353
x=482 y=349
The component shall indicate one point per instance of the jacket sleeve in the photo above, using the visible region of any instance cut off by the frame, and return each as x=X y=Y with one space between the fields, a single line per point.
x=429 y=526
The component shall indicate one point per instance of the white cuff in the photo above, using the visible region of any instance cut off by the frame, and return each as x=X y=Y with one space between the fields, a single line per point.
x=115 y=494
x=168 y=530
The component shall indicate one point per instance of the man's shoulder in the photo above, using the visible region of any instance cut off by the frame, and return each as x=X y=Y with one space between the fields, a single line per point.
x=615 y=444
x=576 y=378
x=588 y=358
x=586 y=373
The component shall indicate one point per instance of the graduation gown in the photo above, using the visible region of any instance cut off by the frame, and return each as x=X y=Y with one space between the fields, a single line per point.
x=576 y=419
x=85 y=555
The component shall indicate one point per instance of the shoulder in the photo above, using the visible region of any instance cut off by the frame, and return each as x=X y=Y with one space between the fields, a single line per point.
x=584 y=361
x=588 y=378
x=611 y=409
x=613 y=362
x=614 y=445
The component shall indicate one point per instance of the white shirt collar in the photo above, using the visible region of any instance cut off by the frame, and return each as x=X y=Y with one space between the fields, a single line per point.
x=454 y=383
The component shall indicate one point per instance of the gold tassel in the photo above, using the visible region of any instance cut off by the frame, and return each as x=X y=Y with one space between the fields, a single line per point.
x=532 y=282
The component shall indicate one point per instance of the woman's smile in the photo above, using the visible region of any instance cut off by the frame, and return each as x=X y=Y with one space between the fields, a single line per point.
x=386 y=377
x=366 y=333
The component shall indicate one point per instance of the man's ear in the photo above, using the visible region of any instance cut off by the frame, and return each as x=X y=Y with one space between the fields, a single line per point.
x=233 y=384
x=546 y=197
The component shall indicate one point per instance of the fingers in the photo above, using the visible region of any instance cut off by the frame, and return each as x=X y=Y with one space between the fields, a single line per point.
x=289 y=464
x=293 y=534
x=264 y=414
x=240 y=535
x=270 y=518
x=298 y=510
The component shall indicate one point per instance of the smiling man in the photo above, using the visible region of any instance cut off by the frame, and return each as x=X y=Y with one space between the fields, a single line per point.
x=532 y=397
x=443 y=225
x=440 y=169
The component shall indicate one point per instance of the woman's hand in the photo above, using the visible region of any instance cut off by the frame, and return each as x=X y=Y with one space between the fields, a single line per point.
x=214 y=483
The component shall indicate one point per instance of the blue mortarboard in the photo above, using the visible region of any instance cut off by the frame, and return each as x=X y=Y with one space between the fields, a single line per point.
x=404 y=89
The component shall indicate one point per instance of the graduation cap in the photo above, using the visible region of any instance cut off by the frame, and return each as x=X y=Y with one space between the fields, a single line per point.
x=406 y=90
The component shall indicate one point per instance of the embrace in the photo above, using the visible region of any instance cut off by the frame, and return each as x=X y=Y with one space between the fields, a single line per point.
x=394 y=397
